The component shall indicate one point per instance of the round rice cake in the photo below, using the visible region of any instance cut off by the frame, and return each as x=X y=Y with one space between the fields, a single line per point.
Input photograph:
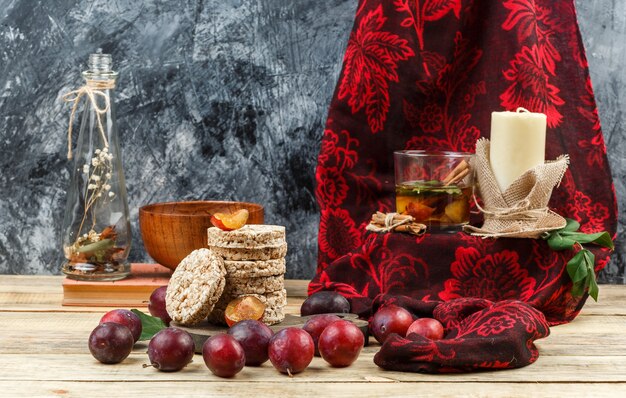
x=195 y=286
x=238 y=287
x=249 y=236
x=259 y=253
x=254 y=269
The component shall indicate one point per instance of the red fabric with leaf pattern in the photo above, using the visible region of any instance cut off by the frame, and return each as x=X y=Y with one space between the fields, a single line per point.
x=426 y=75
x=480 y=335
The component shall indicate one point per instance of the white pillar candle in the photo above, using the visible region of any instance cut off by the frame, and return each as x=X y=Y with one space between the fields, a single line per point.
x=518 y=143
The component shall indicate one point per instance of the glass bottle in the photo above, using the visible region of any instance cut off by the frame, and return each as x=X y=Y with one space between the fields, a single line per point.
x=96 y=226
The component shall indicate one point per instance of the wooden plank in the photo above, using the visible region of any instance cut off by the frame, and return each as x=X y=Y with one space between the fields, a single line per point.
x=22 y=292
x=589 y=344
x=69 y=335
x=84 y=321
x=31 y=283
x=46 y=344
x=67 y=332
x=370 y=388
x=75 y=342
x=59 y=340
x=608 y=325
x=30 y=304
x=83 y=367
x=584 y=324
x=46 y=303
x=45 y=293
x=610 y=295
x=296 y=287
x=52 y=284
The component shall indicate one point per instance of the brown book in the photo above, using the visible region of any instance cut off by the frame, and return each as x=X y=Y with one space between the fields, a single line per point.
x=133 y=291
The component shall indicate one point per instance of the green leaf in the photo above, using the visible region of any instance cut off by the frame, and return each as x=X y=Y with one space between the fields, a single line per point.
x=431 y=187
x=558 y=242
x=430 y=183
x=570 y=226
x=577 y=268
x=590 y=261
x=150 y=324
x=96 y=246
x=593 y=287
x=578 y=289
x=581 y=267
x=600 y=238
x=605 y=240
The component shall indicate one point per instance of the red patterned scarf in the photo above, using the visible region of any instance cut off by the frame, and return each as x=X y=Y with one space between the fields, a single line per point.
x=426 y=75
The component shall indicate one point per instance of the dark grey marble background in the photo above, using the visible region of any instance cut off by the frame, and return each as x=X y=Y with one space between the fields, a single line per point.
x=218 y=99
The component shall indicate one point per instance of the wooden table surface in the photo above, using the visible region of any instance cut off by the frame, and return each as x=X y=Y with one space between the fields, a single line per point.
x=43 y=352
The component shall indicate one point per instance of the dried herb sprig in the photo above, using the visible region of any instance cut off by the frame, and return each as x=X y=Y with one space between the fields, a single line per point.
x=97 y=191
x=581 y=267
x=98 y=187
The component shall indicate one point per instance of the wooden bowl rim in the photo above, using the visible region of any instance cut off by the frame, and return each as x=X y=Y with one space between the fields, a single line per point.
x=150 y=208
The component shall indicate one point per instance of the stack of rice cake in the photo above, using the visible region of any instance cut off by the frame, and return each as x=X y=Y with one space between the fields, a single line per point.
x=254 y=258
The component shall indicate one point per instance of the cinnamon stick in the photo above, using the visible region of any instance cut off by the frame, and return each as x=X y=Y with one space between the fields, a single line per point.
x=394 y=222
x=457 y=174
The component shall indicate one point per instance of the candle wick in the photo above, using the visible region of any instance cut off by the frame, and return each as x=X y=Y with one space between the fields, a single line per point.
x=520 y=110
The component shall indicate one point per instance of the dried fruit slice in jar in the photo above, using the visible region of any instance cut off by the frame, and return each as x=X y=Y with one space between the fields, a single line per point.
x=244 y=308
x=458 y=211
x=230 y=221
x=419 y=211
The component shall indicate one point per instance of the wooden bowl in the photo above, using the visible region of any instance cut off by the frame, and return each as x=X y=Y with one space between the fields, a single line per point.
x=170 y=231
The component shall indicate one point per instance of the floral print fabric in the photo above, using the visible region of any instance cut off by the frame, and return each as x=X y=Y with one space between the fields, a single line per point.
x=426 y=75
x=484 y=336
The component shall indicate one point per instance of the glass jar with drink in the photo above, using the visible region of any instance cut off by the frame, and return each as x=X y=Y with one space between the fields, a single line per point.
x=434 y=187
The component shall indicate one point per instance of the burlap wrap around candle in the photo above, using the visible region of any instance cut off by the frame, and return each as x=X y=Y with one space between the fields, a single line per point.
x=521 y=211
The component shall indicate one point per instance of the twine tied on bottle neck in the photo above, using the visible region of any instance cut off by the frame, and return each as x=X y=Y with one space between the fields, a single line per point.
x=92 y=89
